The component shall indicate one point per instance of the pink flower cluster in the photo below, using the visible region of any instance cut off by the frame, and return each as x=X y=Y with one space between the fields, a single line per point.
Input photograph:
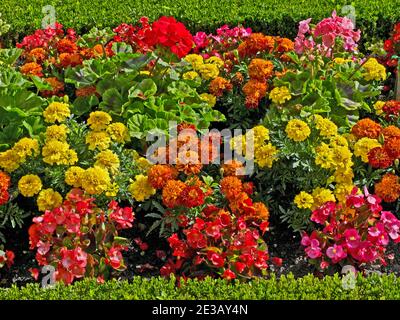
x=78 y=238
x=355 y=233
x=325 y=34
x=225 y=39
x=42 y=37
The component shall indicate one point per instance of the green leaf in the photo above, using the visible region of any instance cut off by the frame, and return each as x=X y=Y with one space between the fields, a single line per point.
x=143 y=90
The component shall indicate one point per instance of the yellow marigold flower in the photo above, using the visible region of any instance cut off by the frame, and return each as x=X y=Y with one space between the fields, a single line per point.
x=195 y=60
x=191 y=75
x=321 y=196
x=143 y=164
x=341 y=60
x=378 y=106
x=374 y=70
x=208 y=71
x=209 y=98
x=118 y=132
x=344 y=175
x=98 y=139
x=341 y=156
x=70 y=158
x=325 y=126
x=338 y=141
x=304 y=200
x=57 y=152
x=56 y=112
x=145 y=72
x=324 y=156
x=10 y=160
x=73 y=176
x=26 y=147
x=297 y=130
x=215 y=60
x=57 y=132
x=99 y=120
x=113 y=190
x=96 y=180
x=342 y=191
x=261 y=134
x=49 y=199
x=107 y=160
x=363 y=146
x=141 y=189
x=279 y=95
x=29 y=185
x=265 y=155
x=238 y=143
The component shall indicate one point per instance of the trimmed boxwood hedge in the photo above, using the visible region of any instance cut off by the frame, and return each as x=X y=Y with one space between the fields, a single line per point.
x=285 y=288
x=374 y=17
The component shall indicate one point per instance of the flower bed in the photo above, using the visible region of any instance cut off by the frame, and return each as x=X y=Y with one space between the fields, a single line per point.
x=109 y=167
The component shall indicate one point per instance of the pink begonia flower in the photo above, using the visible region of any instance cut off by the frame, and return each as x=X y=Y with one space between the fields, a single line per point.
x=336 y=253
x=201 y=40
x=314 y=251
x=352 y=238
x=378 y=235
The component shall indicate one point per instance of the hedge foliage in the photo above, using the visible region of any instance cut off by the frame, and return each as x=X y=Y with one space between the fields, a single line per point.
x=374 y=17
x=286 y=288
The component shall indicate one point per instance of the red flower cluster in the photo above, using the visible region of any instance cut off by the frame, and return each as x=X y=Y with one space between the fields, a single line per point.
x=167 y=32
x=354 y=233
x=6 y=258
x=4 y=185
x=392 y=47
x=391 y=110
x=64 y=238
x=224 y=244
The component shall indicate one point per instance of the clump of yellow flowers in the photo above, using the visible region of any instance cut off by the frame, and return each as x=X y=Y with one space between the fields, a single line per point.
x=255 y=145
x=207 y=70
x=374 y=70
x=98 y=173
x=333 y=154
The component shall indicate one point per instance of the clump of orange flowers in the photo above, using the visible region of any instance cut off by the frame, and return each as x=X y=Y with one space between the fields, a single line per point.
x=388 y=188
x=255 y=43
x=220 y=85
x=366 y=128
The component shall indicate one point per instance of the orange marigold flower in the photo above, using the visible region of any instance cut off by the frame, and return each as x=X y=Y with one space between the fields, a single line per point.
x=66 y=46
x=191 y=196
x=4 y=180
x=242 y=205
x=255 y=43
x=232 y=168
x=86 y=91
x=366 y=128
x=37 y=55
x=160 y=174
x=171 y=193
x=70 y=60
x=379 y=158
x=388 y=188
x=392 y=146
x=260 y=69
x=32 y=69
x=262 y=211
x=231 y=187
x=284 y=45
x=254 y=91
x=4 y=185
x=238 y=78
x=188 y=162
x=58 y=87
x=390 y=132
x=219 y=85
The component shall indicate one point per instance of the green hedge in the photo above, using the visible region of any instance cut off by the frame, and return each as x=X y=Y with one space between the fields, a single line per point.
x=286 y=288
x=374 y=17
